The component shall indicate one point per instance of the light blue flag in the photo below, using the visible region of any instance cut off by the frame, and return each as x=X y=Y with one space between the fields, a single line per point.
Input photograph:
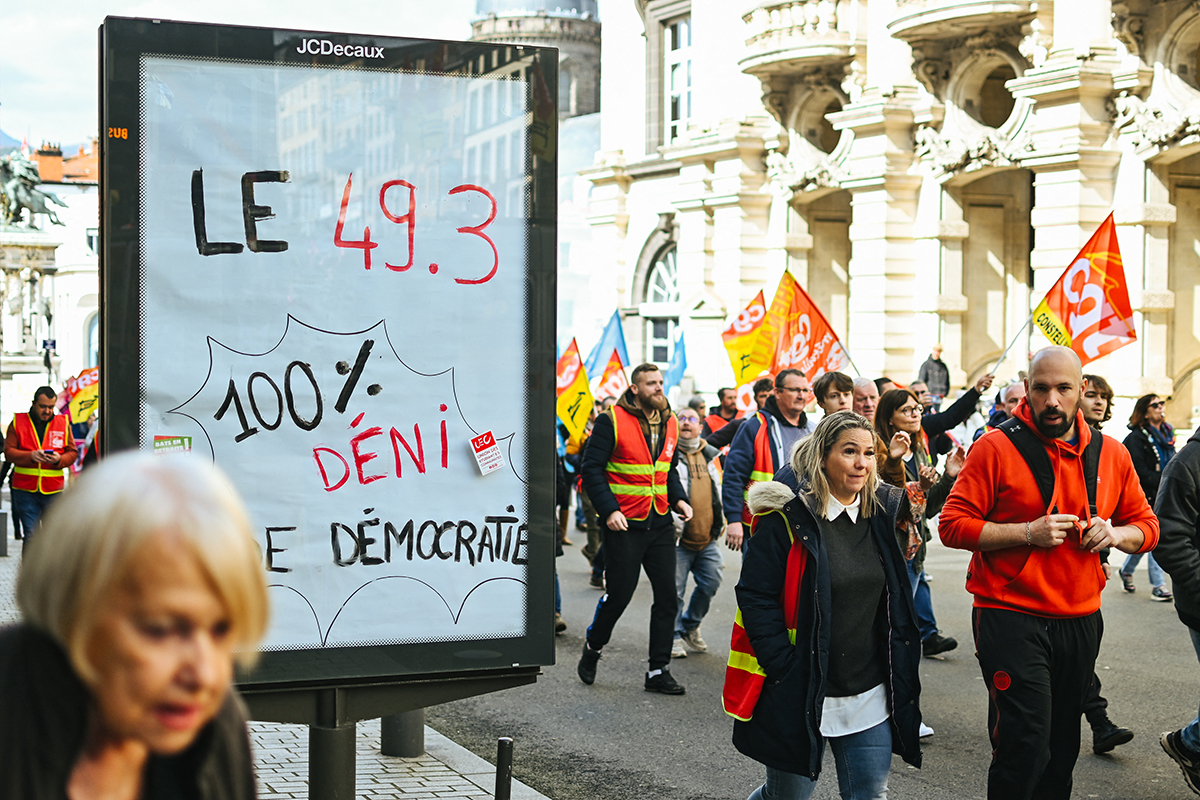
x=612 y=338
x=675 y=369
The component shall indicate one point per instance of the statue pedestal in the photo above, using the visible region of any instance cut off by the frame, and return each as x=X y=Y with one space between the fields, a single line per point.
x=26 y=260
x=27 y=247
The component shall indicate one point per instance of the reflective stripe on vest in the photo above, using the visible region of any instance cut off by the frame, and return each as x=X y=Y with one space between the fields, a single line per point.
x=744 y=677
x=636 y=478
x=763 y=468
x=40 y=479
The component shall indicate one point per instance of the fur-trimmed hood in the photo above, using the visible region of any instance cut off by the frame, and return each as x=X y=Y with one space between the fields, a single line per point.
x=769 y=496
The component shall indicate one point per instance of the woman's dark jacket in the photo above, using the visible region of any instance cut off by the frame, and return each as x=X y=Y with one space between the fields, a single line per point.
x=1147 y=464
x=43 y=719
x=784 y=732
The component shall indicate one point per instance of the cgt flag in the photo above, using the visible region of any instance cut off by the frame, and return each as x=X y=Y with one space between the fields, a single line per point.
x=1088 y=309
x=574 y=404
x=613 y=383
x=740 y=339
x=796 y=335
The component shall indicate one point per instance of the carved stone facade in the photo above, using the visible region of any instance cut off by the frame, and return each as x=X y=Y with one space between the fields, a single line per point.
x=937 y=202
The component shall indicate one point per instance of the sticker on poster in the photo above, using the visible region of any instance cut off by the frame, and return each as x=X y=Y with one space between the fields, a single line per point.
x=487 y=453
x=172 y=444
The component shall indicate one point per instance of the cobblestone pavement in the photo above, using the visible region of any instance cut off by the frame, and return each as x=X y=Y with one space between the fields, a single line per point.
x=446 y=771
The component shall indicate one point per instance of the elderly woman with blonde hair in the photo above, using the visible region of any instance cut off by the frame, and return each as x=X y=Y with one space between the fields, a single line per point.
x=143 y=588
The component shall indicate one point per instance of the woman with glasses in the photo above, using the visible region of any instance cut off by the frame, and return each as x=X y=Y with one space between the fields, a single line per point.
x=1151 y=444
x=902 y=452
x=826 y=635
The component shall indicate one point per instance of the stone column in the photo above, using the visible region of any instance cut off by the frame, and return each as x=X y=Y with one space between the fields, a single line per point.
x=884 y=202
x=1074 y=171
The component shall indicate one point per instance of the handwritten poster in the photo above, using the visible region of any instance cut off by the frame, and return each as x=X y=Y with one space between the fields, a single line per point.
x=334 y=303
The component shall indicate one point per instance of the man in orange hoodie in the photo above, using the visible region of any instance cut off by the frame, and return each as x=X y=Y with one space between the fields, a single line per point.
x=1036 y=575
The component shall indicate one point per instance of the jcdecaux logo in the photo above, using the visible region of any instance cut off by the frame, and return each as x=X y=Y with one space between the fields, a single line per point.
x=324 y=47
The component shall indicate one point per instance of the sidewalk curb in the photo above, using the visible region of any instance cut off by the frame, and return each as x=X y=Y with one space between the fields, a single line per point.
x=471 y=767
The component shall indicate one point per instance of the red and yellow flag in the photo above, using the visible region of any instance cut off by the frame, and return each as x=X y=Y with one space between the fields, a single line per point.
x=1088 y=309
x=613 y=382
x=796 y=335
x=574 y=405
x=80 y=397
x=740 y=339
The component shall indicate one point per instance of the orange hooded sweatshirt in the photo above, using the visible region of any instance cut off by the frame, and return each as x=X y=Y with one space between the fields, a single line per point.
x=996 y=485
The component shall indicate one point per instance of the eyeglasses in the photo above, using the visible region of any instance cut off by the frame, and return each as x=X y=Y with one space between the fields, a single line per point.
x=794 y=390
x=910 y=411
x=689 y=418
x=1159 y=404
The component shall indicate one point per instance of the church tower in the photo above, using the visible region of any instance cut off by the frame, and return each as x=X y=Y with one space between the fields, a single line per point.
x=570 y=25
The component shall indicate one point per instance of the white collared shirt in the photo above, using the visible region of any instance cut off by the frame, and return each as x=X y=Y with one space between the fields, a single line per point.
x=842 y=716
x=834 y=508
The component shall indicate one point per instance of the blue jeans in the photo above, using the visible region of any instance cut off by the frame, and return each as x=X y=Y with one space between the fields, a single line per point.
x=706 y=565
x=863 y=760
x=923 y=603
x=1157 y=578
x=28 y=507
x=1191 y=732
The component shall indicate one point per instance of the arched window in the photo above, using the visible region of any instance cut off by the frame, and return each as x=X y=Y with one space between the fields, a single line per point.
x=662 y=285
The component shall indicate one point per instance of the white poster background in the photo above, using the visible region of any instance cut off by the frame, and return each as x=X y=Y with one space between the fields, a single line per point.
x=249 y=329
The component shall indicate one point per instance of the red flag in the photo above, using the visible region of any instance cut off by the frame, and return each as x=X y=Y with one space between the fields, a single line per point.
x=798 y=336
x=613 y=383
x=1088 y=309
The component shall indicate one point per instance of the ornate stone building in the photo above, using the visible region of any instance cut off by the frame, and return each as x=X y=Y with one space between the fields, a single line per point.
x=570 y=25
x=926 y=168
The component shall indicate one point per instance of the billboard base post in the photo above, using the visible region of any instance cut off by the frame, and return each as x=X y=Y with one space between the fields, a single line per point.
x=331 y=768
x=403 y=735
x=504 y=754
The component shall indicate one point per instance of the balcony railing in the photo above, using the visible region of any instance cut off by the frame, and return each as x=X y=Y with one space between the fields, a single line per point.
x=786 y=34
x=919 y=19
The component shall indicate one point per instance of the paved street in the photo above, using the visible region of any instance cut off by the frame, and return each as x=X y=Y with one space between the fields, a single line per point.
x=612 y=741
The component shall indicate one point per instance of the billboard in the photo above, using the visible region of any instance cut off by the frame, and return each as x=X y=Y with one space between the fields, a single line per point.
x=329 y=266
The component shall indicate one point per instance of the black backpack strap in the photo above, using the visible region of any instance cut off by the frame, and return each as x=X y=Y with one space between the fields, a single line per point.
x=1033 y=451
x=1091 y=468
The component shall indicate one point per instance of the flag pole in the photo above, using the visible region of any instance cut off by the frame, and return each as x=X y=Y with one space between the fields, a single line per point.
x=1020 y=331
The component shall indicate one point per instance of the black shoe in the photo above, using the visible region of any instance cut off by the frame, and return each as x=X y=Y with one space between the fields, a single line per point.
x=1106 y=735
x=938 y=644
x=1189 y=762
x=587 y=665
x=663 y=683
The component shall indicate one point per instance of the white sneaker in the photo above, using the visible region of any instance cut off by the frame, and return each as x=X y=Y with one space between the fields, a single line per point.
x=925 y=731
x=677 y=650
x=695 y=641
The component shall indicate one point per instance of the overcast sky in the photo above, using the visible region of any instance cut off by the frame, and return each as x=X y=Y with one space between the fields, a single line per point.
x=48 y=54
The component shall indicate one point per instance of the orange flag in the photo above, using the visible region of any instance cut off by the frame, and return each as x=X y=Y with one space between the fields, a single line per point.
x=796 y=335
x=740 y=339
x=613 y=383
x=574 y=405
x=1088 y=309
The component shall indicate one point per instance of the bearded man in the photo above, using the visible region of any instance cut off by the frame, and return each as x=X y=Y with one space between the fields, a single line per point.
x=1036 y=573
x=629 y=471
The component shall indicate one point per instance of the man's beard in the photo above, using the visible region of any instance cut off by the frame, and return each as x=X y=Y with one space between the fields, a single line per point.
x=1053 y=430
x=657 y=402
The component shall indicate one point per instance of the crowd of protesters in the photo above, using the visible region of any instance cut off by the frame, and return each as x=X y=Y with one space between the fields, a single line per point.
x=817 y=474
